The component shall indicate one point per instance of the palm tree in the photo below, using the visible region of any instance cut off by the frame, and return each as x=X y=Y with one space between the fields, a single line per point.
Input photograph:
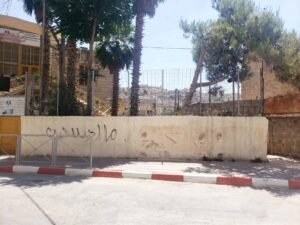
x=143 y=8
x=115 y=55
x=36 y=6
x=71 y=66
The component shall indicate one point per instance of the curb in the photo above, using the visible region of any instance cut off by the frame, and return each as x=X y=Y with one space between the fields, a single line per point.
x=191 y=178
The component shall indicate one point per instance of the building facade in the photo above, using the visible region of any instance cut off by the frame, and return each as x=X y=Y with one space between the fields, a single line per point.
x=20 y=53
x=19 y=46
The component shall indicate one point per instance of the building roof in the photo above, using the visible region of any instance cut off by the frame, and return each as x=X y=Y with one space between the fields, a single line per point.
x=19 y=24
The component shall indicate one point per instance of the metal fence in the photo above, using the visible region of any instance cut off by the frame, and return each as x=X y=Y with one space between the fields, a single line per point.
x=162 y=92
x=46 y=150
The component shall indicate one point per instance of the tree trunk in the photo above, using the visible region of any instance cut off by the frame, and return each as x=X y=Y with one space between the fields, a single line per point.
x=90 y=81
x=71 y=67
x=46 y=62
x=137 y=54
x=115 y=98
x=190 y=94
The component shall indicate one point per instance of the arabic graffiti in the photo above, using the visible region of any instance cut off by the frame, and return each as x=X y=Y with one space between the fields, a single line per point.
x=99 y=132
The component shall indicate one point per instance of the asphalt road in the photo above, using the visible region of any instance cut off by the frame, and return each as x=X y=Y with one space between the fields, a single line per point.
x=30 y=200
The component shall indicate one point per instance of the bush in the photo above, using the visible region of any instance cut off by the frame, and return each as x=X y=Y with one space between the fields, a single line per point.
x=68 y=104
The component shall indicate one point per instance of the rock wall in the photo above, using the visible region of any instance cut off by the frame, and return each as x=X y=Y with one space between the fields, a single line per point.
x=273 y=87
x=284 y=136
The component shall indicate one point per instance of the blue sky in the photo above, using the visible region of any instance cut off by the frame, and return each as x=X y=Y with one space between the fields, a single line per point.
x=163 y=30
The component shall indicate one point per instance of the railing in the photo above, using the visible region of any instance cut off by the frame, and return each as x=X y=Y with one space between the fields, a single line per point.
x=52 y=145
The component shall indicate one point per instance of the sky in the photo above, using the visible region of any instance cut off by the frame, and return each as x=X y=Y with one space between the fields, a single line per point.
x=163 y=30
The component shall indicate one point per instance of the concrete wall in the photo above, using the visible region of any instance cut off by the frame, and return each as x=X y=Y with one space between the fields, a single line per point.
x=153 y=137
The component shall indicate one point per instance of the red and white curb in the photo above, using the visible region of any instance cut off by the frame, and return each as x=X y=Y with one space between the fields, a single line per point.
x=193 y=178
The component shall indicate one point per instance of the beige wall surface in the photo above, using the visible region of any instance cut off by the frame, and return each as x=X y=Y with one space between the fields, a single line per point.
x=273 y=87
x=164 y=138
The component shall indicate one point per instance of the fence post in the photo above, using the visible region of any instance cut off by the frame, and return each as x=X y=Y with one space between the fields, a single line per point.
x=91 y=153
x=18 y=149
x=209 y=99
x=200 y=100
x=262 y=88
x=54 y=150
x=162 y=90
x=238 y=94
x=26 y=93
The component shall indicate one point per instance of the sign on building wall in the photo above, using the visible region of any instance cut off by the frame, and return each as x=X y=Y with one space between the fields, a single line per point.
x=19 y=37
x=12 y=106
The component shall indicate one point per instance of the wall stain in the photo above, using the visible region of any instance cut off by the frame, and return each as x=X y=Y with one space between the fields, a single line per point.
x=219 y=136
x=171 y=139
x=143 y=154
x=152 y=144
x=201 y=137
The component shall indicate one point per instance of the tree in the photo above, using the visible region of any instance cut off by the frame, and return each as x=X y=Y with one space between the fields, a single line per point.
x=36 y=6
x=105 y=16
x=87 y=19
x=115 y=55
x=71 y=67
x=286 y=62
x=143 y=8
x=279 y=48
x=198 y=31
x=241 y=32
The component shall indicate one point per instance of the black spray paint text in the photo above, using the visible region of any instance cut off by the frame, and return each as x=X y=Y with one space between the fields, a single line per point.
x=101 y=132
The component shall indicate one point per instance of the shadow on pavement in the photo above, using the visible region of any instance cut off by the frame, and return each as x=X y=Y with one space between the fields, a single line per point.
x=30 y=180
x=276 y=168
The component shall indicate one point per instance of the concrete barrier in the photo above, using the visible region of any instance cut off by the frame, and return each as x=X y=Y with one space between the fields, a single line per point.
x=162 y=138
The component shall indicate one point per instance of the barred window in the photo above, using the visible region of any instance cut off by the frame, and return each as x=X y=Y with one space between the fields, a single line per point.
x=30 y=55
x=8 y=58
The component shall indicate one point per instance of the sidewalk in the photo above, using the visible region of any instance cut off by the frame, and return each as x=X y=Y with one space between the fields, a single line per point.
x=279 y=171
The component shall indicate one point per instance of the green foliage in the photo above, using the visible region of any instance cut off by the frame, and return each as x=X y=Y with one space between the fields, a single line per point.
x=75 y=18
x=287 y=59
x=217 y=90
x=244 y=32
x=34 y=6
x=68 y=104
x=114 y=54
x=146 y=7
x=265 y=29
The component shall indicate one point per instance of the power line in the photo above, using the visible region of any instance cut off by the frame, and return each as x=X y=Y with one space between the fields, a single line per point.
x=167 y=48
